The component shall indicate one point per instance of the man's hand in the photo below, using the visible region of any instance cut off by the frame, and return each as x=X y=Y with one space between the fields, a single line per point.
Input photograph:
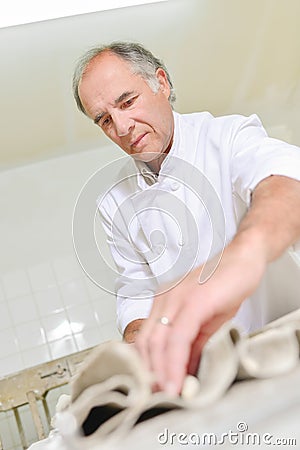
x=195 y=311
x=131 y=330
x=192 y=311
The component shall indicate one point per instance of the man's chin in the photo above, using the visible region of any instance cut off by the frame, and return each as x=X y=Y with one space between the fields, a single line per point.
x=146 y=156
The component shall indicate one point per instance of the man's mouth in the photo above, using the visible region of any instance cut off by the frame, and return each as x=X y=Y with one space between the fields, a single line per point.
x=138 y=140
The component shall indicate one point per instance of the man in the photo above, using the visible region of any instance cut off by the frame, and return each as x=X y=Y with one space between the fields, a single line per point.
x=228 y=161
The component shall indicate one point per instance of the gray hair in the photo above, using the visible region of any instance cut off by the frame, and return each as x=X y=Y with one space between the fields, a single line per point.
x=141 y=60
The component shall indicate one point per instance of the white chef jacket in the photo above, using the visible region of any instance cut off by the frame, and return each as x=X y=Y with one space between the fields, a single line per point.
x=160 y=227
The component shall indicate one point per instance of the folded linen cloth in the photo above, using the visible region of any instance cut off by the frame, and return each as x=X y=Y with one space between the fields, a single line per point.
x=112 y=391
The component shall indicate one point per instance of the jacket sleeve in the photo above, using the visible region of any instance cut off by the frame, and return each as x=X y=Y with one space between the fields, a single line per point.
x=135 y=284
x=255 y=156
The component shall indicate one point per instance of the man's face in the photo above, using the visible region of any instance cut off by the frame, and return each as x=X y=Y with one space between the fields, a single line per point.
x=124 y=106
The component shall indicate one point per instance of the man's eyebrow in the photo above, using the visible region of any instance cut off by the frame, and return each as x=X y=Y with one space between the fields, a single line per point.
x=123 y=96
x=98 y=117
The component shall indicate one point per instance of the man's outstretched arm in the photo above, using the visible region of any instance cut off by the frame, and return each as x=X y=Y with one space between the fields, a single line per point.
x=195 y=311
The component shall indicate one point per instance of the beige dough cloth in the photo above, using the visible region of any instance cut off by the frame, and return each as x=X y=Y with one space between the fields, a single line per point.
x=112 y=391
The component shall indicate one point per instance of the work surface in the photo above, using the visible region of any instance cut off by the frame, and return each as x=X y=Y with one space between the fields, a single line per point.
x=246 y=395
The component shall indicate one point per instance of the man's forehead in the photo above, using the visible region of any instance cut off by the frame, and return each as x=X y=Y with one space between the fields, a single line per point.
x=108 y=79
x=105 y=67
x=106 y=60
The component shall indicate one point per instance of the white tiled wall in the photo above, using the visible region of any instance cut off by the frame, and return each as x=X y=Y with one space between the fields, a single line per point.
x=49 y=308
x=45 y=317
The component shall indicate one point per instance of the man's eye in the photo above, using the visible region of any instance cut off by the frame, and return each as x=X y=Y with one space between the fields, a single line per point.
x=128 y=102
x=105 y=121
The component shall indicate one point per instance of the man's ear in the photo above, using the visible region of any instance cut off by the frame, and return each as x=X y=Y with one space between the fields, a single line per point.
x=163 y=81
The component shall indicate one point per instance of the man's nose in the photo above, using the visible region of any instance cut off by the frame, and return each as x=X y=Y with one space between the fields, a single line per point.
x=123 y=123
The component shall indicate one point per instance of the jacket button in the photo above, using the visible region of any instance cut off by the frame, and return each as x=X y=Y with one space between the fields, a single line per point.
x=175 y=185
x=181 y=242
